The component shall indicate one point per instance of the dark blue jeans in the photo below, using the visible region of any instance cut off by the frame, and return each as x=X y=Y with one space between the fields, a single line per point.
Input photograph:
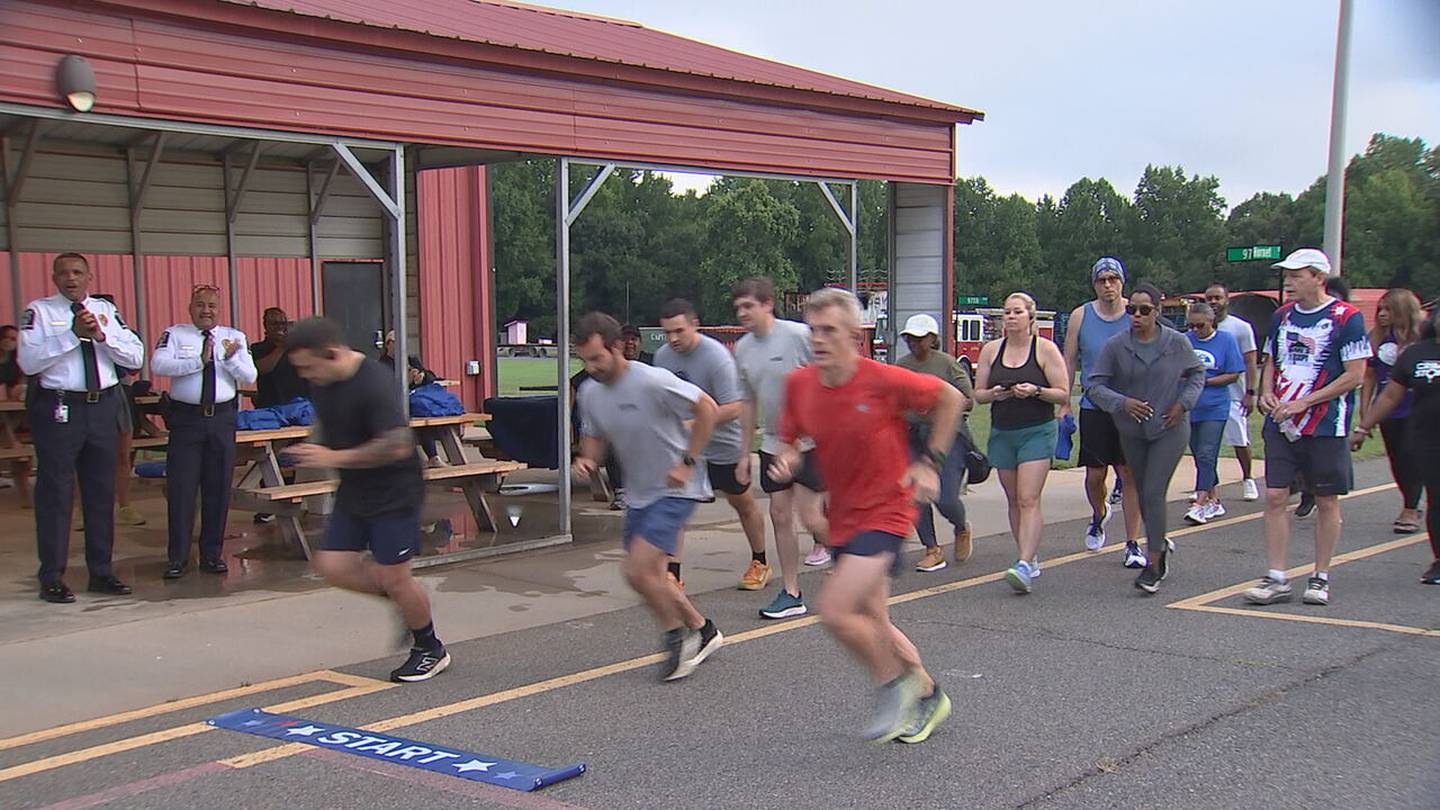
x=948 y=500
x=1205 y=446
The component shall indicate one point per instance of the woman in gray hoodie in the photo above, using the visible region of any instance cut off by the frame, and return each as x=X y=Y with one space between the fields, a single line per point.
x=1148 y=379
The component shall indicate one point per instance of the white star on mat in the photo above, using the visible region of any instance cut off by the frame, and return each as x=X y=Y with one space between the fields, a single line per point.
x=473 y=765
x=506 y=775
x=305 y=731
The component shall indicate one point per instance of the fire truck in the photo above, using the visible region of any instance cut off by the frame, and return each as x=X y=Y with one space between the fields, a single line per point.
x=977 y=326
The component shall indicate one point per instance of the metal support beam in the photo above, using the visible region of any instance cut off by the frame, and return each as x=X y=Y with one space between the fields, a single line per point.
x=317 y=204
x=855 y=237
x=230 y=261
x=562 y=332
x=311 y=241
x=10 y=231
x=137 y=193
x=14 y=185
x=397 y=274
x=232 y=204
x=578 y=206
x=389 y=203
x=671 y=168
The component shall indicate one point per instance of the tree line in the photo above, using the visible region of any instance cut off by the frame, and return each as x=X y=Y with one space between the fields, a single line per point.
x=638 y=243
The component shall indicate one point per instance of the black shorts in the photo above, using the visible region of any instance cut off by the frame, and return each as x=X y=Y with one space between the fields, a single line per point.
x=1099 y=440
x=391 y=538
x=722 y=478
x=872 y=543
x=1324 y=461
x=808 y=476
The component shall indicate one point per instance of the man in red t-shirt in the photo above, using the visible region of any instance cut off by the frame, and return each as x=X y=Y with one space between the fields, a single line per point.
x=853 y=409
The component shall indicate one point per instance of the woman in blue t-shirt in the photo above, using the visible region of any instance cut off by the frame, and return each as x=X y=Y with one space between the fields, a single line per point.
x=1220 y=355
x=1397 y=324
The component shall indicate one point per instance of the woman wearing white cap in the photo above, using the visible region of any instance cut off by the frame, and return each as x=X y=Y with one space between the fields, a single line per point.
x=1023 y=375
x=921 y=334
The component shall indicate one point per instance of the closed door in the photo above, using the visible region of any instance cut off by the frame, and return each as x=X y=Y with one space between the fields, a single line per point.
x=355 y=296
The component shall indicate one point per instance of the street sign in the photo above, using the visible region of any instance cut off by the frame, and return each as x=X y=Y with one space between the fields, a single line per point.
x=972 y=300
x=1254 y=253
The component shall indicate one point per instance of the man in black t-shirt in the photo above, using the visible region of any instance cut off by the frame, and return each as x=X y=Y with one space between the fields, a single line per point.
x=277 y=382
x=361 y=431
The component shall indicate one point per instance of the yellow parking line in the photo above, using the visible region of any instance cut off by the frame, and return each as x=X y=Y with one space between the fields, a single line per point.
x=326 y=675
x=540 y=687
x=179 y=732
x=1292 y=617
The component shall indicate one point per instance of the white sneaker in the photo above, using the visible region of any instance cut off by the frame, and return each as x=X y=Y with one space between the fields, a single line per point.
x=1095 y=535
x=1198 y=514
x=1135 y=556
x=1251 y=492
x=1215 y=510
x=818 y=556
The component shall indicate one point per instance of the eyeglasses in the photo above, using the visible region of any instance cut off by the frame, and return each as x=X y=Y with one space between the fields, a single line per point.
x=1138 y=309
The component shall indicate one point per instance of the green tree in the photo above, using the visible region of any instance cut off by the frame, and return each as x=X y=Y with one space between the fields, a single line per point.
x=746 y=232
x=1178 y=234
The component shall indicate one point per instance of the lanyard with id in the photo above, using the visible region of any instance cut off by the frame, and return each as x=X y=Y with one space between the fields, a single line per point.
x=62 y=413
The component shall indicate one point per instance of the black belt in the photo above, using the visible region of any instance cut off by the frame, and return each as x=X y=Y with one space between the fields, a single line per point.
x=203 y=409
x=87 y=397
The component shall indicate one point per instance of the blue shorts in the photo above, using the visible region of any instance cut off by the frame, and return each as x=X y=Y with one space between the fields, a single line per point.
x=659 y=524
x=391 y=538
x=872 y=543
x=1010 y=448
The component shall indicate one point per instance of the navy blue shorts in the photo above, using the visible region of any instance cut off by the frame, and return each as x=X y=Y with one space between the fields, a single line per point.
x=872 y=543
x=392 y=538
x=659 y=524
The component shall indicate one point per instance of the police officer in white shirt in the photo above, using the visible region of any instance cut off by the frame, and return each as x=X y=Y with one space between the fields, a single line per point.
x=72 y=343
x=207 y=362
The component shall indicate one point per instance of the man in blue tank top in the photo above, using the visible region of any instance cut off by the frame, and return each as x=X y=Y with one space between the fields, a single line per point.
x=1091 y=324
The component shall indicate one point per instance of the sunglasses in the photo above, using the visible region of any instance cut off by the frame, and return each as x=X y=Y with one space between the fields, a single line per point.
x=1138 y=309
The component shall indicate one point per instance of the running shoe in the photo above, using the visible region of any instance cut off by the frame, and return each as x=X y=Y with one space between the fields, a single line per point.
x=933 y=560
x=964 y=543
x=756 y=577
x=818 y=556
x=895 y=709
x=1149 y=579
x=1268 y=592
x=1306 y=506
x=1135 y=556
x=1249 y=491
x=1118 y=493
x=1035 y=571
x=617 y=503
x=783 y=606
x=1215 y=510
x=1020 y=576
x=929 y=714
x=422 y=665
x=681 y=647
x=1317 y=591
x=1198 y=514
x=1432 y=575
x=710 y=641
x=129 y=516
x=1095 y=536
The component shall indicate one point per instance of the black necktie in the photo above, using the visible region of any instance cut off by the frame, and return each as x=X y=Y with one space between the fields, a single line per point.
x=207 y=379
x=87 y=355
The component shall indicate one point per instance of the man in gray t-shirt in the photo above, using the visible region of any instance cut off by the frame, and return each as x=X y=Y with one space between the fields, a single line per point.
x=642 y=412
x=765 y=356
x=706 y=362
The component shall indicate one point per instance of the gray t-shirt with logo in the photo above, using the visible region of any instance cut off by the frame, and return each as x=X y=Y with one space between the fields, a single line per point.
x=1244 y=335
x=641 y=416
x=710 y=366
x=764 y=362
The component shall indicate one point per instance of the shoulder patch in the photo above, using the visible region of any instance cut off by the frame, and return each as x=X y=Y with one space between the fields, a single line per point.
x=28 y=320
x=164 y=339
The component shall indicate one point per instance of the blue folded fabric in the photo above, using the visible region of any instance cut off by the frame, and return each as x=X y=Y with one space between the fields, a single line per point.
x=432 y=399
x=1064 y=443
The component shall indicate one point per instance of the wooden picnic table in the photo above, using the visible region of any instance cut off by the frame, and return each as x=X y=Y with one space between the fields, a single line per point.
x=262 y=486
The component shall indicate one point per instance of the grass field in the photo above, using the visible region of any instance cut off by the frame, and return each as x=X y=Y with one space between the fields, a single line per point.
x=521 y=372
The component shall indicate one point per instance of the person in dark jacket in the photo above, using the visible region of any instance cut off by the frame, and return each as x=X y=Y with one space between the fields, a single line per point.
x=1148 y=378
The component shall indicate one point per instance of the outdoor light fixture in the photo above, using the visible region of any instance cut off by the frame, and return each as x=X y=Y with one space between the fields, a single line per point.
x=76 y=80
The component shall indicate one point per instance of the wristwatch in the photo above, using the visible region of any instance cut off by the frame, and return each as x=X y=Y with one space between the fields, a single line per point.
x=688 y=460
x=1249 y=392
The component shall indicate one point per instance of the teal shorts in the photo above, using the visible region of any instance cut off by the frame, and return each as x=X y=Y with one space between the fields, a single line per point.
x=1011 y=448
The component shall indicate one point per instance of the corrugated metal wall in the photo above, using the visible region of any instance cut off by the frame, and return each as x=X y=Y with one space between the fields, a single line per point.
x=455 y=313
x=918 y=245
x=264 y=282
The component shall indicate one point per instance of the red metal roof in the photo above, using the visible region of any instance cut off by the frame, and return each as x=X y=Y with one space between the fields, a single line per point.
x=581 y=36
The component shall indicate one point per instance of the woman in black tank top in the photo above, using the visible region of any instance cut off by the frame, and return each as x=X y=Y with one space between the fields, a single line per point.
x=1023 y=376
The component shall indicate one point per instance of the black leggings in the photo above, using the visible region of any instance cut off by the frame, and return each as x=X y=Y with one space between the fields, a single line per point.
x=1432 y=516
x=1405 y=461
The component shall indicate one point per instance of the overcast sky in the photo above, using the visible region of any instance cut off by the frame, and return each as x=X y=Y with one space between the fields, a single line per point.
x=1237 y=89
